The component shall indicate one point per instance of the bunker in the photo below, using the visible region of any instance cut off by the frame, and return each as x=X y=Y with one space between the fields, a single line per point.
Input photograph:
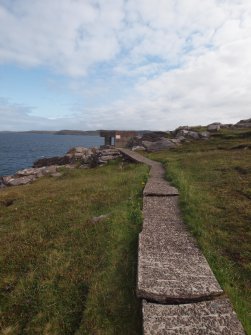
x=118 y=138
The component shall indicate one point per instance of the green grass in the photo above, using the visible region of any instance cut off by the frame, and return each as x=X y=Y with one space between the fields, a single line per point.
x=214 y=180
x=61 y=273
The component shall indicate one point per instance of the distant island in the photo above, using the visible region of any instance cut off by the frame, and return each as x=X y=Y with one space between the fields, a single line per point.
x=65 y=132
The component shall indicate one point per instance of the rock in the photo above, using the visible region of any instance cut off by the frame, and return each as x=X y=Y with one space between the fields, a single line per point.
x=193 y=135
x=226 y=125
x=106 y=158
x=214 y=127
x=52 y=161
x=204 y=134
x=47 y=170
x=148 y=137
x=2 y=185
x=187 y=134
x=162 y=144
x=243 y=124
x=16 y=181
x=177 y=141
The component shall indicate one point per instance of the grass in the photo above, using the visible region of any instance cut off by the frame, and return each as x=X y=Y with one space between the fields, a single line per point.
x=214 y=180
x=61 y=273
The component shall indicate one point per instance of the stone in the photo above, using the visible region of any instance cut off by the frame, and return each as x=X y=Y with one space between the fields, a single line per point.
x=193 y=135
x=27 y=172
x=204 y=134
x=184 y=133
x=52 y=161
x=110 y=152
x=214 y=127
x=16 y=181
x=243 y=124
x=162 y=144
x=78 y=155
x=47 y=170
x=2 y=185
x=214 y=317
x=106 y=158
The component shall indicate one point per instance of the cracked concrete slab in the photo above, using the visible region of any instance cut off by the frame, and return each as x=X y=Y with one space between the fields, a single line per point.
x=171 y=268
x=205 y=318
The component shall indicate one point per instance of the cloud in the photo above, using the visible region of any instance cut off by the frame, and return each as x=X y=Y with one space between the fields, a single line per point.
x=186 y=62
x=71 y=36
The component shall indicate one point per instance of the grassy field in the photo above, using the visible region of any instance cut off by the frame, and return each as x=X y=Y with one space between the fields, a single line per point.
x=60 y=271
x=214 y=180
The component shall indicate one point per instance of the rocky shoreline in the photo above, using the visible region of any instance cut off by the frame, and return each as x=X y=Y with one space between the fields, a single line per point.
x=78 y=157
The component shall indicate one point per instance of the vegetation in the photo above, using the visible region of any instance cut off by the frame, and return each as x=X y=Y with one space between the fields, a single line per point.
x=61 y=272
x=214 y=180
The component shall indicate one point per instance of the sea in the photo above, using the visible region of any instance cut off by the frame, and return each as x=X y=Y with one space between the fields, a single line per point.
x=20 y=150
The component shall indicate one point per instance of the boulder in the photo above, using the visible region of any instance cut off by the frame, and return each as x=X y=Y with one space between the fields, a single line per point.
x=243 y=124
x=16 y=181
x=204 y=135
x=162 y=144
x=187 y=134
x=214 y=127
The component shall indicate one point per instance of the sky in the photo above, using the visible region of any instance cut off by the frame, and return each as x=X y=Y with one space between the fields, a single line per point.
x=123 y=64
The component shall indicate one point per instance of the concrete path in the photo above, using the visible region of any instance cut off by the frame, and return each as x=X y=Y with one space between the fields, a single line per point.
x=174 y=279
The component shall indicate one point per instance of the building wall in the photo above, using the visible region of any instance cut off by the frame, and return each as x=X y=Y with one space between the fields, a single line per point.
x=122 y=138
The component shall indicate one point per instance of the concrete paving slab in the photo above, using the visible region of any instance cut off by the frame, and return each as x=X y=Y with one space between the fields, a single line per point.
x=205 y=318
x=157 y=171
x=172 y=269
x=136 y=157
x=157 y=207
x=159 y=187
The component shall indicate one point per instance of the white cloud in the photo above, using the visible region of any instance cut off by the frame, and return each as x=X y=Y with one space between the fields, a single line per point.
x=190 y=60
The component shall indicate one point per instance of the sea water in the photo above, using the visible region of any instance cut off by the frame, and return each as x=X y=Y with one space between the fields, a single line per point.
x=20 y=150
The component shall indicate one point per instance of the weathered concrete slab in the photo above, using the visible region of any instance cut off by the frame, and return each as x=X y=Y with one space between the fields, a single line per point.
x=171 y=268
x=159 y=187
x=206 y=318
x=136 y=157
x=166 y=208
x=157 y=170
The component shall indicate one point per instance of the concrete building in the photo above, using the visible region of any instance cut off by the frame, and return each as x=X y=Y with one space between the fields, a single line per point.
x=118 y=138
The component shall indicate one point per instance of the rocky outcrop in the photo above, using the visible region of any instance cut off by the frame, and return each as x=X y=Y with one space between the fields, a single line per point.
x=243 y=124
x=52 y=161
x=155 y=141
x=26 y=176
x=161 y=144
x=78 y=157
